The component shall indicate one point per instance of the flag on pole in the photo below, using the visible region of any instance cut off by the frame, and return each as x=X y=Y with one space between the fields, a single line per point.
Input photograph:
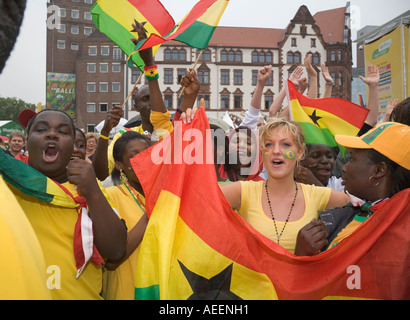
x=195 y=29
x=196 y=247
x=322 y=119
x=114 y=18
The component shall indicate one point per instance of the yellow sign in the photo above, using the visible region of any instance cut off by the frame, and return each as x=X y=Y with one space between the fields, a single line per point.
x=391 y=55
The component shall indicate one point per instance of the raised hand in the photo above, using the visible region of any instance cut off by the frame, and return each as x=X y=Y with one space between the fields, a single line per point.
x=373 y=76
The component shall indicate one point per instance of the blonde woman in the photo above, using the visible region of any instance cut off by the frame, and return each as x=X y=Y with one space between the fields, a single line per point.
x=279 y=207
x=91 y=145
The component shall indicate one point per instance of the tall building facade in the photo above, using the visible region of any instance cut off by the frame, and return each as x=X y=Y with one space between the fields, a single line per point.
x=227 y=69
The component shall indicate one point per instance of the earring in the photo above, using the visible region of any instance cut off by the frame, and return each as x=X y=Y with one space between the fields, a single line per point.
x=123 y=176
x=373 y=185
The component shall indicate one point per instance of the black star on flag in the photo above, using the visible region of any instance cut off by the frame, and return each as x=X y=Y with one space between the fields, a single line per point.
x=215 y=288
x=315 y=118
x=136 y=24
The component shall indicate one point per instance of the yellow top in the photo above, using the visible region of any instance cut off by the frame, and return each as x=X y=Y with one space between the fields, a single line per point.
x=54 y=227
x=162 y=127
x=23 y=271
x=316 y=198
x=120 y=283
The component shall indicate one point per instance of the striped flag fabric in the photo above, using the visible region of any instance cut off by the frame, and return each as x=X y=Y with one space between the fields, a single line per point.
x=322 y=119
x=114 y=18
x=196 y=247
x=34 y=183
x=195 y=29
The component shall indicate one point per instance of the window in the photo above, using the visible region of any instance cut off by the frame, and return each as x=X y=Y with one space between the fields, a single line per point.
x=136 y=73
x=63 y=12
x=269 y=57
x=75 y=14
x=105 y=50
x=60 y=44
x=61 y=28
x=182 y=55
x=168 y=76
x=74 y=45
x=339 y=55
x=116 y=67
x=90 y=86
x=224 y=55
x=103 y=67
x=168 y=101
x=103 y=107
x=296 y=58
x=270 y=80
x=332 y=55
x=206 y=55
x=293 y=42
x=237 y=102
x=316 y=58
x=116 y=53
x=231 y=56
x=88 y=1
x=225 y=77
x=91 y=67
x=262 y=57
x=340 y=79
x=87 y=16
x=116 y=87
x=75 y=30
x=238 y=56
x=290 y=57
x=90 y=107
x=254 y=77
x=167 y=54
x=90 y=127
x=87 y=31
x=237 y=77
x=203 y=76
x=255 y=57
x=313 y=43
x=92 y=50
x=103 y=86
x=224 y=101
x=175 y=55
x=268 y=102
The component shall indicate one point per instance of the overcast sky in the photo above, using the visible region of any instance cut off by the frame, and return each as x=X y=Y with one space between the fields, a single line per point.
x=24 y=75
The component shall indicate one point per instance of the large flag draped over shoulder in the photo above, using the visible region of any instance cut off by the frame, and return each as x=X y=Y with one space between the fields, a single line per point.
x=195 y=29
x=114 y=18
x=34 y=183
x=322 y=119
x=196 y=247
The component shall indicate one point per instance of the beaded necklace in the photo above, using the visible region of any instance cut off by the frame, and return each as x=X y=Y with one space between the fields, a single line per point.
x=135 y=196
x=271 y=212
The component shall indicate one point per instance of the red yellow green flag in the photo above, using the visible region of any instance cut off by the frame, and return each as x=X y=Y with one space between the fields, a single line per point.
x=196 y=247
x=114 y=18
x=322 y=119
x=195 y=29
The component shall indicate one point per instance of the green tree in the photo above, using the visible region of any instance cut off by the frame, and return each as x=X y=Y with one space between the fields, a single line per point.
x=10 y=108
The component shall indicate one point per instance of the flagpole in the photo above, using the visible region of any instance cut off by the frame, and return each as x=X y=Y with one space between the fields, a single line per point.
x=193 y=68
x=129 y=95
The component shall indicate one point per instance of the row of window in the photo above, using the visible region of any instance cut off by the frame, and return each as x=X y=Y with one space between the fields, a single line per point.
x=102 y=107
x=204 y=77
x=294 y=43
x=74 y=29
x=296 y=58
x=75 y=14
x=103 y=67
x=103 y=86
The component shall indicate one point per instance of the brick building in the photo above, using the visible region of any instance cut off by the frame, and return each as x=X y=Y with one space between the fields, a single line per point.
x=227 y=68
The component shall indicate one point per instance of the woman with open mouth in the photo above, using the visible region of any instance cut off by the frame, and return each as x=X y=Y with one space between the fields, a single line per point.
x=279 y=207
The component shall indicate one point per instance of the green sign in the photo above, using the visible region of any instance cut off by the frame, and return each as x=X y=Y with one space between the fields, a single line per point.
x=61 y=92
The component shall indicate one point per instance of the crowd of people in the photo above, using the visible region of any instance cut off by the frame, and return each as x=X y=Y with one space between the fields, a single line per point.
x=283 y=188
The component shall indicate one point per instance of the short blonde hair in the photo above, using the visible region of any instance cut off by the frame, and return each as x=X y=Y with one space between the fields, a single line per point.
x=292 y=128
x=90 y=135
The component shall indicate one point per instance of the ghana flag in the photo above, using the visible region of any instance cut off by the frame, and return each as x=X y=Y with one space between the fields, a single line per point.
x=34 y=183
x=322 y=119
x=196 y=247
x=195 y=29
x=114 y=18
